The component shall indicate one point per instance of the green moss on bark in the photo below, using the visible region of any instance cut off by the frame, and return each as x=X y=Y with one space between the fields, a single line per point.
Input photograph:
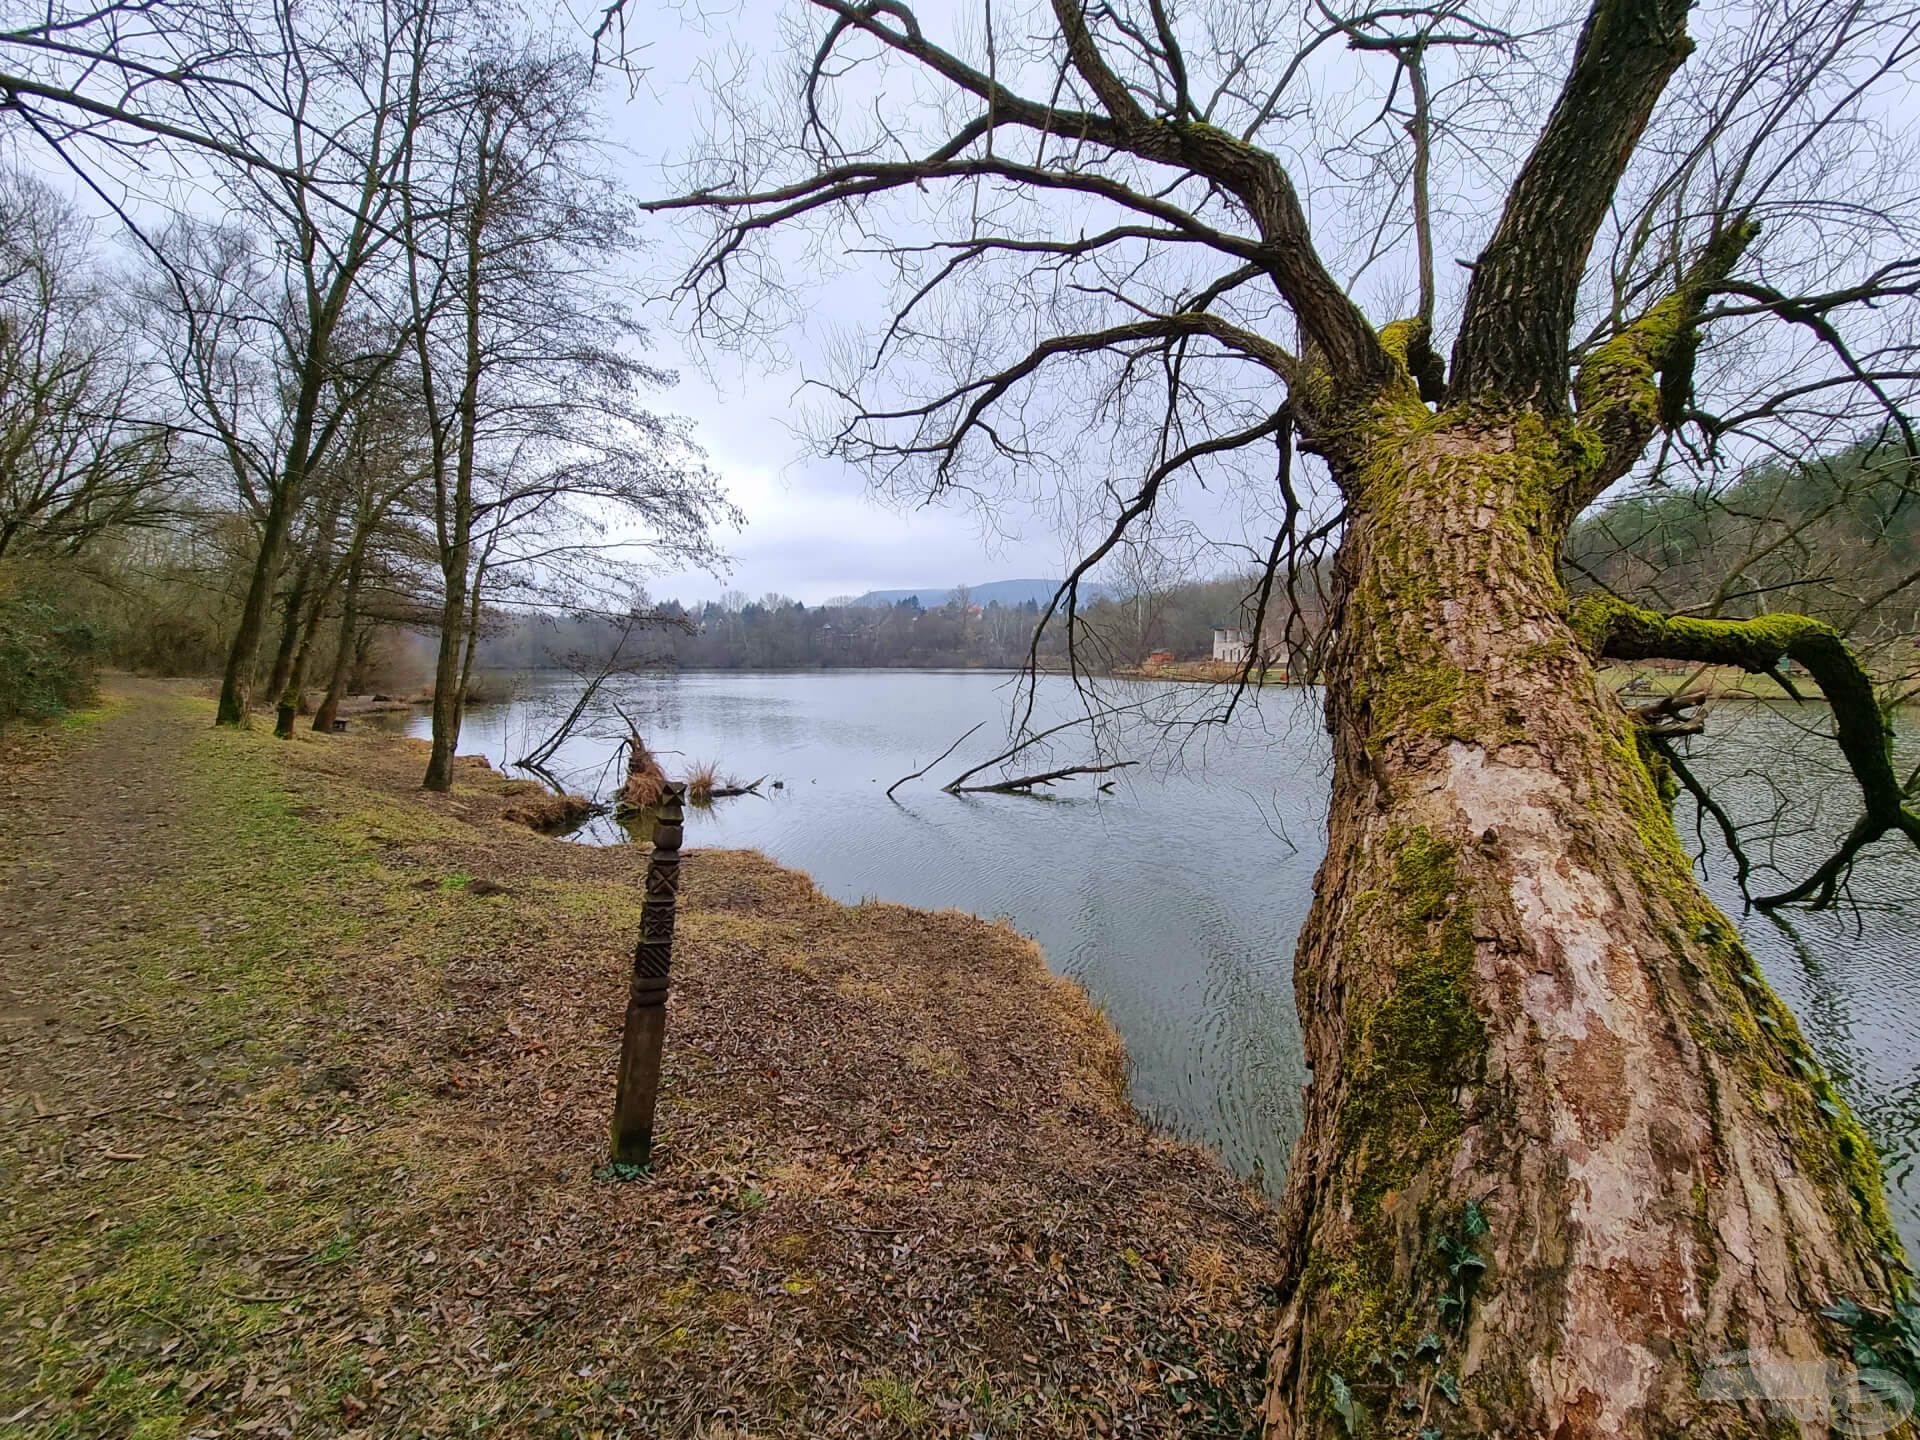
x=1412 y=1050
x=1421 y=467
x=1748 y=1026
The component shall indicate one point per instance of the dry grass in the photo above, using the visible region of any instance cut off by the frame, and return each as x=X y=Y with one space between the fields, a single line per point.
x=702 y=780
x=323 y=1143
x=539 y=808
x=646 y=782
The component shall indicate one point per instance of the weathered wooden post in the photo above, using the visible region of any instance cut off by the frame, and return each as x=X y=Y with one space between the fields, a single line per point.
x=638 y=1089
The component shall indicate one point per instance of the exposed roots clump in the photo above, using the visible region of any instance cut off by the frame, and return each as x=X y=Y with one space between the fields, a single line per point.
x=646 y=782
x=541 y=809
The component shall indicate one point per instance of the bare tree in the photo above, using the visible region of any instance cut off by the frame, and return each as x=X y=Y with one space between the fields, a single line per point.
x=82 y=449
x=525 y=355
x=270 y=323
x=1564 y=1150
x=383 y=465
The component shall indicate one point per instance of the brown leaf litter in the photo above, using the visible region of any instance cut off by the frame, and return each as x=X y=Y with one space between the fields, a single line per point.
x=307 y=1127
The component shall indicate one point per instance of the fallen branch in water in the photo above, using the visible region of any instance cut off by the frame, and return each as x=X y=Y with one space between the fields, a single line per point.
x=1025 y=783
x=1027 y=742
x=705 y=784
x=931 y=763
x=616 y=662
x=722 y=792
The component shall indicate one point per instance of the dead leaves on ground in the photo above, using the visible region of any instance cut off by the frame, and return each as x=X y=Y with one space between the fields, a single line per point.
x=897 y=1189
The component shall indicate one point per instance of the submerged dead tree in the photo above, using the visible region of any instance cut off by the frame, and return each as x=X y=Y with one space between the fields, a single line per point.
x=1564 y=1152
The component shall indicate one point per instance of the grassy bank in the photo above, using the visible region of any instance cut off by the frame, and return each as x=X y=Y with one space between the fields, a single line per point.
x=307 y=1076
x=1201 y=672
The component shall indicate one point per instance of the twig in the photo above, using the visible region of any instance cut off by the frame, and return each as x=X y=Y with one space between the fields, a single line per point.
x=931 y=763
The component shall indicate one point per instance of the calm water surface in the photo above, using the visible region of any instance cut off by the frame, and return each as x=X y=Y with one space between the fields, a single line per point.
x=1175 y=897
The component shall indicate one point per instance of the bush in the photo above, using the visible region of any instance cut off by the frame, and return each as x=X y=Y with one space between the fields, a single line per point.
x=46 y=659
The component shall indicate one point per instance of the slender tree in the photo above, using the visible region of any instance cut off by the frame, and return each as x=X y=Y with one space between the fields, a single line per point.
x=1564 y=1152
x=383 y=465
x=524 y=352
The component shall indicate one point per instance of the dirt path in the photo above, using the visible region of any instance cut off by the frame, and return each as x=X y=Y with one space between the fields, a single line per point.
x=82 y=832
x=304 y=1077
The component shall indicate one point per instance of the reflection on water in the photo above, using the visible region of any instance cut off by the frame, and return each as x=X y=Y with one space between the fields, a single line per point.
x=1175 y=899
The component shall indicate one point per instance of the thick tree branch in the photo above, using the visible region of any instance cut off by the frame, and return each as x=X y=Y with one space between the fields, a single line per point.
x=1619 y=631
x=1342 y=341
x=1643 y=377
x=1512 y=346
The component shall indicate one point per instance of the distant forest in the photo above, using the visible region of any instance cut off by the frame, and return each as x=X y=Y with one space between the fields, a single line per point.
x=1829 y=538
x=776 y=632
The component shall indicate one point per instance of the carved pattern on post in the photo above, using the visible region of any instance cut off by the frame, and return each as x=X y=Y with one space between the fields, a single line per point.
x=637 y=1090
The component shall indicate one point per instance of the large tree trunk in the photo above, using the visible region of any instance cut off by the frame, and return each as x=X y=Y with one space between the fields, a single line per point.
x=1564 y=1150
x=362 y=661
x=291 y=694
x=471 y=646
x=329 y=710
x=290 y=626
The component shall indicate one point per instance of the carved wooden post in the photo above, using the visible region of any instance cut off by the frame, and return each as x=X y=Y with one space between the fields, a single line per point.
x=638 y=1089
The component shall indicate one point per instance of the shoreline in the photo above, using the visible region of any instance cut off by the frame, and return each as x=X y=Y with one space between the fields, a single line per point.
x=899 y=1183
x=1709 y=682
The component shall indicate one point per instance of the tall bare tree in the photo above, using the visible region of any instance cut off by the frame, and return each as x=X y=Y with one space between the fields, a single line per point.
x=82 y=449
x=270 y=319
x=1564 y=1151
x=525 y=352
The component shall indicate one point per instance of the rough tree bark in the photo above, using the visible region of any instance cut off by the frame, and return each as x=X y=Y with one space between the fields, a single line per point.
x=288 y=708
x=1564 y=1149
x=236 y=680
x=446 y=675
x=301 y=612
x=329 y=710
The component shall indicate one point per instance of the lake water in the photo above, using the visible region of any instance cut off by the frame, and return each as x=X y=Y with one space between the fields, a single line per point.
x=1175 y=897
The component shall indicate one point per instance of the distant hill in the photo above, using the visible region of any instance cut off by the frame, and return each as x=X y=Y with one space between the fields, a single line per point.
x=1002 y=592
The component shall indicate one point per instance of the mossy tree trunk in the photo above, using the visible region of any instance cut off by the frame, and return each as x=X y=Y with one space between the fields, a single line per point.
x=446 y=676
x=236 y=680
x=1565 y=1150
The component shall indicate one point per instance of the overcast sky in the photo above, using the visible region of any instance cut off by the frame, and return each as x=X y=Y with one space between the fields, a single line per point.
x=812 y=529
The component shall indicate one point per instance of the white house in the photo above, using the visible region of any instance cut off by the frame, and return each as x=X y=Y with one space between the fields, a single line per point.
x=1232 y=644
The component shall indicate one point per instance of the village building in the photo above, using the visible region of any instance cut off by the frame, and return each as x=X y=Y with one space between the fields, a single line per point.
x=1232 y=644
